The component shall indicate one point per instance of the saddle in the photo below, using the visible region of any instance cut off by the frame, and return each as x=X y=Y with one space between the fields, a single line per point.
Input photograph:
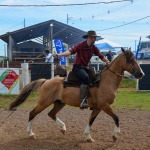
x=73 y=81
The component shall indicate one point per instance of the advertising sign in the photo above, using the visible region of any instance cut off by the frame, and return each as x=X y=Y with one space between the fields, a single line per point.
x=9 y=80
x=60 y=49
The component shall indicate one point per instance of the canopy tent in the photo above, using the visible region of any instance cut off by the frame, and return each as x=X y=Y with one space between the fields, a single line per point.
x=112 y=44
x=104 y=46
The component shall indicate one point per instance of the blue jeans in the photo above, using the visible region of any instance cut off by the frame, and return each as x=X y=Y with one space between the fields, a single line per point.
x=81 y=74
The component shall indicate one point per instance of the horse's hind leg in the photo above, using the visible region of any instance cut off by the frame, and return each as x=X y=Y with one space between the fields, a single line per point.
x=107 y=109
x=58 y=105
x=93 y=116
x=32 y=114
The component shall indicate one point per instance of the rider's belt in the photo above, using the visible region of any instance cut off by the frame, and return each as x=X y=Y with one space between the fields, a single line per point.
x=84 y=67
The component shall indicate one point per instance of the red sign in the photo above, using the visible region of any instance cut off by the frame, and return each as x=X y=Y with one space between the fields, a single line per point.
x=10 y=79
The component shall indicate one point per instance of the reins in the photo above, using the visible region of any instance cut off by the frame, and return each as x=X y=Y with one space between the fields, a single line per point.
x=118 y=73
x=115 y=72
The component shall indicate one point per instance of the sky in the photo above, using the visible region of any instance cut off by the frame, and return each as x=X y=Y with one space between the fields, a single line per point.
x=120 y=21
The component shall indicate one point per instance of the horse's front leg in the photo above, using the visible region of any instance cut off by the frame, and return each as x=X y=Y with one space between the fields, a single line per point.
x=94 y=114
x=107 y=109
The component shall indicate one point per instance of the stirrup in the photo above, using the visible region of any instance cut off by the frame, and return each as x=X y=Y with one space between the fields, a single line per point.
x=83 y=105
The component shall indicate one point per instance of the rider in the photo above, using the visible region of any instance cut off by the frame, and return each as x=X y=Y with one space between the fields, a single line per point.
x=84 y=51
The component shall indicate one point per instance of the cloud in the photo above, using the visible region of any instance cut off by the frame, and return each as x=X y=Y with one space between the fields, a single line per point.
x=12 y=17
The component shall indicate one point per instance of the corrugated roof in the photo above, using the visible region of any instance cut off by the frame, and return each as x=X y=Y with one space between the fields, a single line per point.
x=68 y=34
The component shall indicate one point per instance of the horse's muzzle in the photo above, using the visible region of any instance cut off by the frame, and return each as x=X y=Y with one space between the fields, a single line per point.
x=138 y=74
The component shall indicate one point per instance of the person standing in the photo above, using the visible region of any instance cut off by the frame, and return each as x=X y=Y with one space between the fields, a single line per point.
x=84 y=51
x=49 y=57
x=109 y=56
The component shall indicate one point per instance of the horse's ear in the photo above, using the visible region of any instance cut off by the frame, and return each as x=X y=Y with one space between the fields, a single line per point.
x=122 y=49
x=130 y=49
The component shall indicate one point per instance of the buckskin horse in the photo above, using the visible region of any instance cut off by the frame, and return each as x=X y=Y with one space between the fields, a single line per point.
x=52 y=91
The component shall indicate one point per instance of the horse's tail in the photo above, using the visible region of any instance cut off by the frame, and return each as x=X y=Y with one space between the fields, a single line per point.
x=26 y=91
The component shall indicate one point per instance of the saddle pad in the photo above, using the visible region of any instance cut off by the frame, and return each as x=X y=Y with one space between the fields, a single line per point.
x=76 y=83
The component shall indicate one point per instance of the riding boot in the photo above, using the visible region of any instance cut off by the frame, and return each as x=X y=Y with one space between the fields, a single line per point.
x=83 y=96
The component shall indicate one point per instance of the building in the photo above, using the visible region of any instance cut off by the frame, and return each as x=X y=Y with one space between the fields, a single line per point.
x=30 y=42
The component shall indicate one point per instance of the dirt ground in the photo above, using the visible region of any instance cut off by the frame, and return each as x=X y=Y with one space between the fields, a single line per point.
x=134 y=124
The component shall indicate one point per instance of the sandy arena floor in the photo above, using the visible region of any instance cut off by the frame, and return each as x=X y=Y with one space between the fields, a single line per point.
x=135 y=131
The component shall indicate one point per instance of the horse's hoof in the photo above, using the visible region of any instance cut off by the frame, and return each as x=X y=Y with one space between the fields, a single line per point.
x=63 y=131
x=32 y=137
x=90 y=140
x=114 y=138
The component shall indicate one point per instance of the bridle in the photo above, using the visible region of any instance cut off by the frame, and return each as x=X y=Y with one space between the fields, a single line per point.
x=115 y=72
x=122 y=75
x=133 y=69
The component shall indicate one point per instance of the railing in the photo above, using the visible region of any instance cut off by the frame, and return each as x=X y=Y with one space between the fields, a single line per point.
x=28 y=56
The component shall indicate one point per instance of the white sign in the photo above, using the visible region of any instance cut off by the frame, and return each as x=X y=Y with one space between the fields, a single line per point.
x=9 y=80
x=95 y=60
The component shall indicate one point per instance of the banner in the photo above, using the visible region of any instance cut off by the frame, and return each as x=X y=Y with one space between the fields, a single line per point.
x=9 y=81
x=138 y=48
x=60 y=49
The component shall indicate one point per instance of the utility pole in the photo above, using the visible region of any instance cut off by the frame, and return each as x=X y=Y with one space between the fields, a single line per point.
x=5 y=51
x=51 y=47
x=50 y=38
x=24 y=23
x=135 y=46
x=67 y=19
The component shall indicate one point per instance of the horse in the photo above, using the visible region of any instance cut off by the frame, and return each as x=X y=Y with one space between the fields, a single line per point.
x=52 y=91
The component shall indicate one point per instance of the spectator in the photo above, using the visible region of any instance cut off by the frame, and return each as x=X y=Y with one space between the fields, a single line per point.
x=109 y=56
x=49 y=57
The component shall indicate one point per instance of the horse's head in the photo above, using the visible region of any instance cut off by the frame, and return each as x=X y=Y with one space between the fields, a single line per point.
x=131 y=64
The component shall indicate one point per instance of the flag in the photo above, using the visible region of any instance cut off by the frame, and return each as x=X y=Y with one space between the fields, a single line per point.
x=138 y=48
x=60 y=49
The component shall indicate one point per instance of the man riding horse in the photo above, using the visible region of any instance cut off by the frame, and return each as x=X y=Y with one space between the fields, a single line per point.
x=84 y=51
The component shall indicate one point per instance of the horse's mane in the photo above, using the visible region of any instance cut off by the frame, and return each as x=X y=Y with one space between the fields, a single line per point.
x=128 y=55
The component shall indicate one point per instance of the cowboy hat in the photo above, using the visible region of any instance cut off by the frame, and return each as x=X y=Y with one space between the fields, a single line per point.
x=90 y=33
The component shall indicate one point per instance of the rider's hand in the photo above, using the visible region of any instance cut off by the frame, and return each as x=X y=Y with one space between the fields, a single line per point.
x=108 y=62
x=55 y=55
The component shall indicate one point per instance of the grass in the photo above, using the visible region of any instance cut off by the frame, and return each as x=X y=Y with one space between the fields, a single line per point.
x=132 y=100
x=125 y=99
x=128 y=83
x=6 y=100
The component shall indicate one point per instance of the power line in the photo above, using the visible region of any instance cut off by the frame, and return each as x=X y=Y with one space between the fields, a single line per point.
x=108 y=12
x=65 y=4
x=11 y=27
x=124 y=24
x=112 y=11
x=124 y=35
